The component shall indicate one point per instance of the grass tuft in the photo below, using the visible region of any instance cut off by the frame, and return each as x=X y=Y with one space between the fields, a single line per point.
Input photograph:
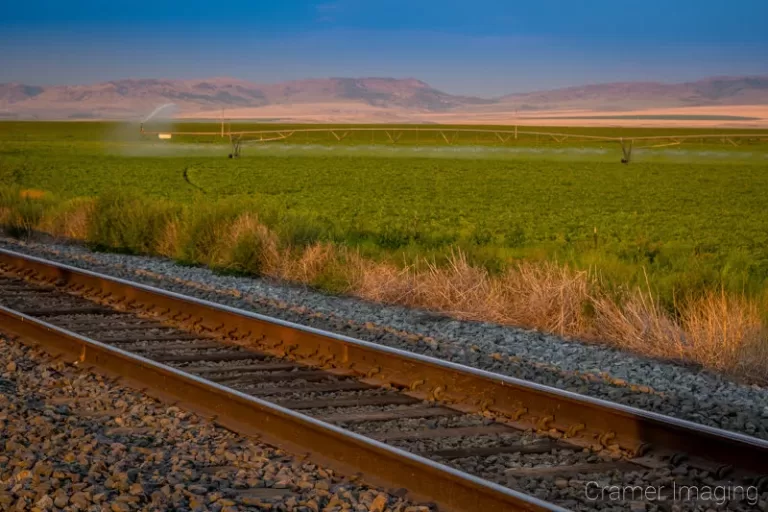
x=250 y=247
x=71 y=219
x=128 y=223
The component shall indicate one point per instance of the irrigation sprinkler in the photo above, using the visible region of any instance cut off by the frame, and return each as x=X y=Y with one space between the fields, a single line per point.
x=445 y=135
x=236 y=141
x=626 y=150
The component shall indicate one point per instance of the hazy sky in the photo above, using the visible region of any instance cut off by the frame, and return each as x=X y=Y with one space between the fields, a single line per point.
x=480 y=47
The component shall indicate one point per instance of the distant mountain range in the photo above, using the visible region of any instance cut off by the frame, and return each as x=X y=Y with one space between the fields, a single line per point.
x=133 y=99
x=739 y=90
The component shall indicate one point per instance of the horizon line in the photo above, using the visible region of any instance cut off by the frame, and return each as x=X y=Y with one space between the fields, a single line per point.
x=403 y=79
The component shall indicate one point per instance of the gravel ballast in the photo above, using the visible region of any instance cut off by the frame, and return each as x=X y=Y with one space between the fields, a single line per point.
x=595 y=370
x=73 y=440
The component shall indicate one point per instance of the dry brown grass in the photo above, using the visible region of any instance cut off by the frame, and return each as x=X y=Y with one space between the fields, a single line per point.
x=168 y=243
x=637 y=323
x=247 y=245
x=543 y=296
x=384 y=282
x=69 y=220
x=547 y=296
x=308 y=264
x=719 y=331
x=726 y=333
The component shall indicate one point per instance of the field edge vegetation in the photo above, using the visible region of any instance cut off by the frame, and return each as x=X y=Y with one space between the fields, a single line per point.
x=717 y=329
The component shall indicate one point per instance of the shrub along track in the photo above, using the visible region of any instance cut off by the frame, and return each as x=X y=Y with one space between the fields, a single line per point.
x=403 y=420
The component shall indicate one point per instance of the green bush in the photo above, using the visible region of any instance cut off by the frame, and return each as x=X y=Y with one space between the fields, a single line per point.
x=205 y=226
x=247 y=255
x=127 y=222
x=23 y=213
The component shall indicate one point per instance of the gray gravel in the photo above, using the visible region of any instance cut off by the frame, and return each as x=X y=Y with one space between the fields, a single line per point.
x=464 y=442
x=411 y=424
x=590 y=369
x=592 y=490
x=71 y=440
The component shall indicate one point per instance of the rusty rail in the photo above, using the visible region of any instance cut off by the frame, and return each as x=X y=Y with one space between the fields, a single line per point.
x=579 y=419
x=297 y=433
x=345 y=451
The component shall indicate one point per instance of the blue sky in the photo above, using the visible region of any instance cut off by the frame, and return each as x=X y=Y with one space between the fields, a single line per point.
x=480 y=47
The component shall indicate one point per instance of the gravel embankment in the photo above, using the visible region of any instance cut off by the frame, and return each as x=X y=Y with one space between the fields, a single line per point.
x=72 y=440
x=589 y=369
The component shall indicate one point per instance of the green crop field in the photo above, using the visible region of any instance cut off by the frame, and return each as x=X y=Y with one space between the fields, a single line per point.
x=688 y=217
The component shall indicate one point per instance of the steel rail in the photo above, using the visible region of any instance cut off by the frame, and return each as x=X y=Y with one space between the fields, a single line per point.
x=349 y=452
x=579 y=419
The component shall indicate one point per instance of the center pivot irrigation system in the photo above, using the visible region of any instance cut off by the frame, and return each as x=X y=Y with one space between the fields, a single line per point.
x=448 y=135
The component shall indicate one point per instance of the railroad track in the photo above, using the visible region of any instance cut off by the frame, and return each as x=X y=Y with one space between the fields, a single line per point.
x=459 y=437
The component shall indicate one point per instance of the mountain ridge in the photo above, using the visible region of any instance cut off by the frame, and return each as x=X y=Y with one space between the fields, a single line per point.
x=132 y=98
x=717 y=90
